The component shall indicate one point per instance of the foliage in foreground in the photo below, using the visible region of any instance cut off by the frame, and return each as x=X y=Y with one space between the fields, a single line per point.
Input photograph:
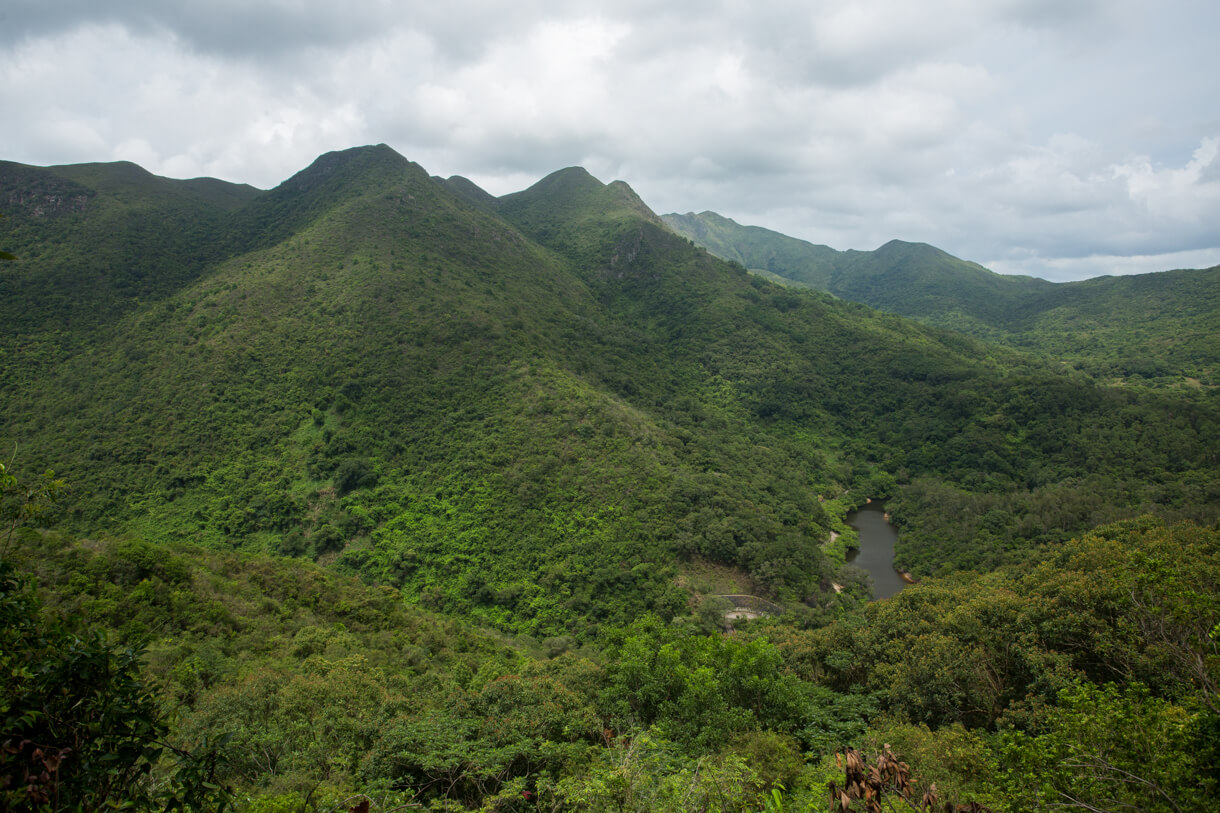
x=81 y=726
x=1088 y=681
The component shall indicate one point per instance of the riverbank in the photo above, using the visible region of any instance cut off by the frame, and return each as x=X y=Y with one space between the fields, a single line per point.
x=842 y=537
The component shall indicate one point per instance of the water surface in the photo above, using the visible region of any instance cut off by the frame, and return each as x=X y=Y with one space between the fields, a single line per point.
x=876 y=553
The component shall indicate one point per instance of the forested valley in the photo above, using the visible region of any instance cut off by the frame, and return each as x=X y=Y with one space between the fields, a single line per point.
x=376 y=492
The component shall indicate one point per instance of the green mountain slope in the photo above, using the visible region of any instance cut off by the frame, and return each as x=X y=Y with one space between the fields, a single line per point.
x=467 y=190
x=1154 y=328
x=534 y=413
x=132 y=236
x=916 y=279
x=758 y=248
x=1139 y=327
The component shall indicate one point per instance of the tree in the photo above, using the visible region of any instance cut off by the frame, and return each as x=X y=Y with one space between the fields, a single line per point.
x=29 y=505
x=4 y=255
x=82 y=731
x=699 y=691
x=1109 y=748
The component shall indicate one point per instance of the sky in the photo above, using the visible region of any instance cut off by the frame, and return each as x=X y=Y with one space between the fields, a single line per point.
x=1063 y=139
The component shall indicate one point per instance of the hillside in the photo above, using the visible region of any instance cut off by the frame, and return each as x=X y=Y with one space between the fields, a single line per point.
x=1156 y=329
x=132 y=236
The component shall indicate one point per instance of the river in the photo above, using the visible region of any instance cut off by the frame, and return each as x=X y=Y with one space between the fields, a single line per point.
x=876 y=552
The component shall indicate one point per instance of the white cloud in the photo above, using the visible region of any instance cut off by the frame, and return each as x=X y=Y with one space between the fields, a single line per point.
x=1191 y=193
x=171 y=110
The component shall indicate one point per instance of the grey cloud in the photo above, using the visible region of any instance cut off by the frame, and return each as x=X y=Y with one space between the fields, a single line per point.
x=1077 y=16
x=223 y=26
x=260 y=31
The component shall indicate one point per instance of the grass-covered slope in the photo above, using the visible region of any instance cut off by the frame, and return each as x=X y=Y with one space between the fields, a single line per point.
x=1156 y=328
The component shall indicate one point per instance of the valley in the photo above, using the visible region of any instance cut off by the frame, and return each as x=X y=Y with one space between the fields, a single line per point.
x=876 y=552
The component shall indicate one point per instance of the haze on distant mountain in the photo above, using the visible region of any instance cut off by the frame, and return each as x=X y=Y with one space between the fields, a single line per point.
x=1056 y=140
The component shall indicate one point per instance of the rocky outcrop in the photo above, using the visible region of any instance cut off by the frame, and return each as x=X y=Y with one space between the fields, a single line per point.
x=31 y=192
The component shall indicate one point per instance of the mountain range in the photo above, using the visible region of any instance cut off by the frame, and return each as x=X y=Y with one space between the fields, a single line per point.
x=511 y=407
x=383 y=492
x=1159 y=327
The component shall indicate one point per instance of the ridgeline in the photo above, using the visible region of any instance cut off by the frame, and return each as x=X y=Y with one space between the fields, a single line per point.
x=1148 y=329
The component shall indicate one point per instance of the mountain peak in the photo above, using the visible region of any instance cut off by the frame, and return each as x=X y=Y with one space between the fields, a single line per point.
x=559 y=211
x=346 y=164
x=570 y=181
x=573 y=190
x=628 y=196
x=470 y=192
x=894 y=246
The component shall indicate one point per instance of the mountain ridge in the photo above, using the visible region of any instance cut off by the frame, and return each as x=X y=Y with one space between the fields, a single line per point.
x=1156 y=333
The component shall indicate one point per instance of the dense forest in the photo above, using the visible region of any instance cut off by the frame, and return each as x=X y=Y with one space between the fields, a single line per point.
x=374 y=491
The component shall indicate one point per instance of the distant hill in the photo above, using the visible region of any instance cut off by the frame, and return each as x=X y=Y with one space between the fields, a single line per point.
x=1157 y=328
x=130 y=236
x=759 y=249
x=470 y=192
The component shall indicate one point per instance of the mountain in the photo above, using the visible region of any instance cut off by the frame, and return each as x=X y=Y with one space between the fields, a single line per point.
x=94 y=238
x=537 y=413
x=469 y=191
x=1150 y=328
x=758 y=248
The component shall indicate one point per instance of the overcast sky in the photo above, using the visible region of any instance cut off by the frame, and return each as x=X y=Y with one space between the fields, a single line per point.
x=1059 y=138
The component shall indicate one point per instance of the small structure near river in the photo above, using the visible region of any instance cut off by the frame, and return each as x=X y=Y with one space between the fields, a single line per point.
x=747 y=607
